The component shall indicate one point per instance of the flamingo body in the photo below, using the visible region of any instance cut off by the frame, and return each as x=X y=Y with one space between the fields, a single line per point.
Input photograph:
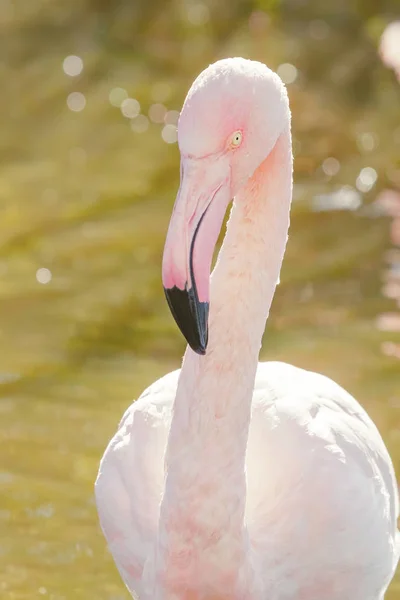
x=322 y=499
x=232 y=479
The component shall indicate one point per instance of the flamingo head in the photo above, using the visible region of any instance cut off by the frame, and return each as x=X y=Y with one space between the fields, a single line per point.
x=230 y=121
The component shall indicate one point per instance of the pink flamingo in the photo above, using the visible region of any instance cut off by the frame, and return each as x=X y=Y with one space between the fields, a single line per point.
x=233 y=479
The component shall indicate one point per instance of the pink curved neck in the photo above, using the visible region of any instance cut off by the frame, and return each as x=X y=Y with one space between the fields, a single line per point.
x=202 y=533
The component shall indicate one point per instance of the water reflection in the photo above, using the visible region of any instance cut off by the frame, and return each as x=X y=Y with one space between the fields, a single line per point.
x=345 y=198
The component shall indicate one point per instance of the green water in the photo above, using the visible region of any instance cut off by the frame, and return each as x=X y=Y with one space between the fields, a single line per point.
x=84 y=206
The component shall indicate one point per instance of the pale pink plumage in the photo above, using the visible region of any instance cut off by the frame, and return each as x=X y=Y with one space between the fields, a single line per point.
x=233 y=479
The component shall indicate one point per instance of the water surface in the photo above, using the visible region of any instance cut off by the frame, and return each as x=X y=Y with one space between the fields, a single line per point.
x=86 y=190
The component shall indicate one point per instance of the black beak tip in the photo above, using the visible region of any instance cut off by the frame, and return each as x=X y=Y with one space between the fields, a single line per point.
x=191 y=316
x=200 y=350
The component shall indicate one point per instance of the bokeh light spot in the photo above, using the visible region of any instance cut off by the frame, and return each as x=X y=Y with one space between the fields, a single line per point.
x=171 y=117
x=366 y=179
x=140 y=124
x=157 y=113
x=130 y=108
x=73 y=65
x=76 y=101
x=331 y=166
x=367 y=141
x=169 y=134
x=117 y=95
x=390 y=47
x=43 y=275
x=287 y=72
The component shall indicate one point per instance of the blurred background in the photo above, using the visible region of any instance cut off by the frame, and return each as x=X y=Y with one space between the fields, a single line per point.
x=90 y=95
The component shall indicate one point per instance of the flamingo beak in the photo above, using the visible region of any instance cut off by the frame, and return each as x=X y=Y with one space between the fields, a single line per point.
x=196 y=222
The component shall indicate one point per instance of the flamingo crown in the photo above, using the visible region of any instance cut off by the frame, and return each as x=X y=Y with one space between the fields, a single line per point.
x=234 y=95
x=231 y=479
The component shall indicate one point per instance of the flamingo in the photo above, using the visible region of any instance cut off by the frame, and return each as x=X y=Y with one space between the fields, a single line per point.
x=231 y=479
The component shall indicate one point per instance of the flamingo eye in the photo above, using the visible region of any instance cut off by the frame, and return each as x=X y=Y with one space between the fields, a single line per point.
x=236 y=139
